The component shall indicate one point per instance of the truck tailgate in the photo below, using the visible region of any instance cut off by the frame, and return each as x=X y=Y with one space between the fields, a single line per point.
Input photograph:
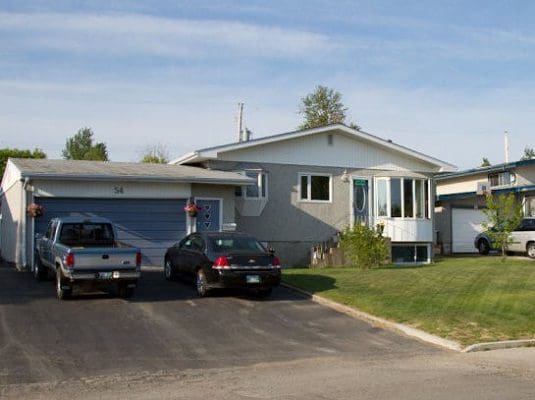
x=104 y=259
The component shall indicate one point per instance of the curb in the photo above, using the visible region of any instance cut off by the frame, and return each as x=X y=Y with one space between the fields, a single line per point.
x=506 y=344
x=410 y=331
x=379 y=322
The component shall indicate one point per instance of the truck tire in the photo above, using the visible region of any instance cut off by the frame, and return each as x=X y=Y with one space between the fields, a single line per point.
x=39 y=271
x=61 y=292
x=483 y=247
x=124 y=291
x=530 y=249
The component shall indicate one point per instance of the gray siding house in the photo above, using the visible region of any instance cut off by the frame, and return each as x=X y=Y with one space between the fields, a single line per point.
x=314 y=183
x=461 y=200
x=145 y=201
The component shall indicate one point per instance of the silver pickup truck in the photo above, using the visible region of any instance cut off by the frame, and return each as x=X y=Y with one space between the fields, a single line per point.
x=83 y=252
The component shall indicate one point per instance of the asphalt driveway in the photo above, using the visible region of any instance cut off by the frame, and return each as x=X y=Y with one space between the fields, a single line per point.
x=166 y=327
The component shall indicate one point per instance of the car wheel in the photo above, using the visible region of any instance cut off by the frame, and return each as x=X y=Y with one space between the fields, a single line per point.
x=169 y=271
x=39 y=272
x=201 y=284
x=531 y=250
x=483 y=247
x=61 y=292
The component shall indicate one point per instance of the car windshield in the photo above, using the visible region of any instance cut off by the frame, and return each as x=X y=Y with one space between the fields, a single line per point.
x=226 y=244
x=86 y=235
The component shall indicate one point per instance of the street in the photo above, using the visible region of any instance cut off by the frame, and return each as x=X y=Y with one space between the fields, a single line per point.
x=167 y=343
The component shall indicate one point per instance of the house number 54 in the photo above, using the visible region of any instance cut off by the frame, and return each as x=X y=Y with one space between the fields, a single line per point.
x=118 y=190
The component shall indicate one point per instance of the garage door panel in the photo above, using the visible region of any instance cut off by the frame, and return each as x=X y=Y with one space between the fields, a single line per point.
x=152 y=225
x=466 y=224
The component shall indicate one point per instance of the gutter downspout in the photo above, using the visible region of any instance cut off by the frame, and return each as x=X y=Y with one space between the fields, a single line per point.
x=24 y=256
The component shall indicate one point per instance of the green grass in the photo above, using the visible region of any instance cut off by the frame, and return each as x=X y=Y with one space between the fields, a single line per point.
x=467 y=299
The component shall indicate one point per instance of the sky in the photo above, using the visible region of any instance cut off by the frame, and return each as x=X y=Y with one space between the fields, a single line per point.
x=446 y=78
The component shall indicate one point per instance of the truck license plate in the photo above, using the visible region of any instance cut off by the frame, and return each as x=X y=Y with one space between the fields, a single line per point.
x=253 y=279
x=104 y=275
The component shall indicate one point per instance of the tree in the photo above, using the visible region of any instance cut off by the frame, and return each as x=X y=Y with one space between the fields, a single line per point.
x=485 y=162
x=529 y=153
x=156 y=154
x=16 y=153
x=322 y=107
x=81 y=147
x=504 y=214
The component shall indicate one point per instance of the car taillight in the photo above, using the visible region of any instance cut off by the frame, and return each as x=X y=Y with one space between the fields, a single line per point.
x=69 y=260
x=221 y=263
x=276 y=262
x=138 y=259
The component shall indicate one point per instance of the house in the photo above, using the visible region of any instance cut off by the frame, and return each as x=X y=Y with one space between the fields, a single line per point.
x=461 y=199
x=146 y=201
x=314 y=183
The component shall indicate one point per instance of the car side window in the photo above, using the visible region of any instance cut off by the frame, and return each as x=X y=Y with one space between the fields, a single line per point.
x=185 y=244
x=197 y=243
x=530 y=224
x=50 y=230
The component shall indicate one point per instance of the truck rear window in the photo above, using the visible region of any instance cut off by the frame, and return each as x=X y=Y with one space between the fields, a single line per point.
x=87 y=235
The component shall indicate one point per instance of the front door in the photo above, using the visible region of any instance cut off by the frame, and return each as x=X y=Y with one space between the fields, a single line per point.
x=361 y=207
x=208 y=219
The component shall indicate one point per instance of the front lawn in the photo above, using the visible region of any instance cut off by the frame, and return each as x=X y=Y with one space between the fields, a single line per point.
x=467 y=299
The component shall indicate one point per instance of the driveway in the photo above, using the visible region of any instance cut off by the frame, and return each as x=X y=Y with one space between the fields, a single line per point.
x=166 y=335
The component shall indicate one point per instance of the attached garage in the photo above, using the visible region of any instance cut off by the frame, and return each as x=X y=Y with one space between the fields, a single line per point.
x=150 y=224
x=145 y=202
x=466 y=223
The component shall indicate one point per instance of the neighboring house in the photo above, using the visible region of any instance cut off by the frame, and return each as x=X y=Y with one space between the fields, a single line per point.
x=314 y=183
x=146 y=201
x=461 y=199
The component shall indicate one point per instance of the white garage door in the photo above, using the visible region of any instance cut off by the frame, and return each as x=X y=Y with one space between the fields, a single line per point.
x=465 y=225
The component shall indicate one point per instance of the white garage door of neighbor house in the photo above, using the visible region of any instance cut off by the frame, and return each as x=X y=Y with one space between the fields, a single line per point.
x=465 y=225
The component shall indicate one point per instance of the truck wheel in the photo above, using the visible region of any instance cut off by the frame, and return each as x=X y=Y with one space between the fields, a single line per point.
x=124 y=291
x=531 y=250
x=61 y=292
x=201 y=284
x=39 y=272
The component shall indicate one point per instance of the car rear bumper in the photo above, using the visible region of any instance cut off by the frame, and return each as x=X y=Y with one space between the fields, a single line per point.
x=245 y=279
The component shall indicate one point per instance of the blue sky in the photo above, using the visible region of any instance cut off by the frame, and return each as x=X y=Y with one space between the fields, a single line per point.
x=445 y=78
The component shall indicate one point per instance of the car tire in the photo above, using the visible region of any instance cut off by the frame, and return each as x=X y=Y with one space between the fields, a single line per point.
x=483 y=247
x=39 y=272
x=201 y=284
x=531 y=250
x=61 y=292
x=169 y=271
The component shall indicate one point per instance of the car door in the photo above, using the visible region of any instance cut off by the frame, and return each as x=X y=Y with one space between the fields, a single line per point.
x=45 y=244
x=195 y=254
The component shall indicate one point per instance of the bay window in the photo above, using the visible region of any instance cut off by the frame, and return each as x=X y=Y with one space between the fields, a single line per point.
x=402 y=198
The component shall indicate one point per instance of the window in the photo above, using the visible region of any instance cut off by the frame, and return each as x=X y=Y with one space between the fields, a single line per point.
x=500 y=179
x=382 y=199
x=395 y=197
x=253 y=191
x=402 y=198
x=315 y=187
x=193 y=242
x=530 y=207
x=410 y=253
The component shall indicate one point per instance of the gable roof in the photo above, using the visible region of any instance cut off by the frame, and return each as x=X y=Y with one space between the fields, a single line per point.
x=213 y=152
x=106 y=170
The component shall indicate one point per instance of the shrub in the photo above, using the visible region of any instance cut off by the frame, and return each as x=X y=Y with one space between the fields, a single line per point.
x=364 y=247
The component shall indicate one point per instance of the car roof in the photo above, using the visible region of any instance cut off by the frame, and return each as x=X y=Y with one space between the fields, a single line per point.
x=80 y=219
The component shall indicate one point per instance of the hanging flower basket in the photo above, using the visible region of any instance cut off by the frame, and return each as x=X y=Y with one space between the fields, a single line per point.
x=34 y=210
x=192 y=209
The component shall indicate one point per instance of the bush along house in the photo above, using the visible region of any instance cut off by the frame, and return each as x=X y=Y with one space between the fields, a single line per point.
x=312 y=184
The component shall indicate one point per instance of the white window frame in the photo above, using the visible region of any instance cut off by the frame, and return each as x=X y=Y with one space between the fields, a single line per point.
x=309 y=176
x=260 y=173
x=389 y=197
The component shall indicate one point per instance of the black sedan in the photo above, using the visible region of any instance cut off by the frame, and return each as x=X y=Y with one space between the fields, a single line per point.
x=223 y=260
